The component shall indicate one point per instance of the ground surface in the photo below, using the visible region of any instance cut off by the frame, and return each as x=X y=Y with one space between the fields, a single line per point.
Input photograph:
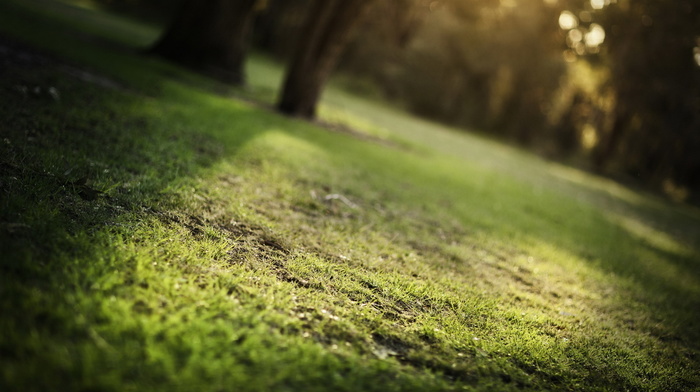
x=159 y=231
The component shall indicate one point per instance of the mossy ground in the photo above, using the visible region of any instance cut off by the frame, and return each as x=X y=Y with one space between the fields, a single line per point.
x=162 y=232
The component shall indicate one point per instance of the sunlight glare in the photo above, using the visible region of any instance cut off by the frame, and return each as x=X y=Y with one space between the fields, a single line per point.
x=567 y=20
x=589 y=137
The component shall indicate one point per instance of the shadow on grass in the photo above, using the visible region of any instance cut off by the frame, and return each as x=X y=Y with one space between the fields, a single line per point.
x=80 y=157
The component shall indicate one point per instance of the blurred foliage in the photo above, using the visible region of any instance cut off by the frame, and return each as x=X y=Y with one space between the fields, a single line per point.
x=656 y=82
x=641 y=116
x=612 y=85
x=617 y=89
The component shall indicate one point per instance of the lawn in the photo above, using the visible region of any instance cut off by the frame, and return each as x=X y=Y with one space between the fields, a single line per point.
x=160 y=231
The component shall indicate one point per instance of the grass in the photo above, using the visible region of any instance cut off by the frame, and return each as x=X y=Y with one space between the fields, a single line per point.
x=160 y=233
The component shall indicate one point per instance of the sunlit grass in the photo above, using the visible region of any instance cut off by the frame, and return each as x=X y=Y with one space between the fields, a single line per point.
x=222 y=256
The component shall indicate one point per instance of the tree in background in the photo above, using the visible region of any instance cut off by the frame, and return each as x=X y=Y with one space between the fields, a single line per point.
x=377 y=53
x=211 y=37
x=480 y=64
x=326 y=31
x=656 y=132
x=644 y=118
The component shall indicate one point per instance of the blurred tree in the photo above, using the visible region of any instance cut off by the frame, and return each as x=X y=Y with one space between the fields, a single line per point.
x=210 y=36
x=641 y=119
x=277 y=28
x=476 y=63
x=656 y=129
x=325 y=33
x=377 y=54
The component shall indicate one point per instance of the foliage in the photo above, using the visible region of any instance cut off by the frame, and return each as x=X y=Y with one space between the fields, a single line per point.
x=210 y=37
x=656 y=86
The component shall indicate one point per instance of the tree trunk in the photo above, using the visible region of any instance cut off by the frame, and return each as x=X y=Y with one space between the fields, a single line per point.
x=210 y=36
x=326 y=31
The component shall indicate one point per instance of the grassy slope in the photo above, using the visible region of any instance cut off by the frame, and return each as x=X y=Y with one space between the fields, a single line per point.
x=215 y=260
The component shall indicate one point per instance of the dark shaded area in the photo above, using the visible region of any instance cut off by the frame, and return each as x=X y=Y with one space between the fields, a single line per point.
x=653 y=132
x=150 y=11
x=211 y=37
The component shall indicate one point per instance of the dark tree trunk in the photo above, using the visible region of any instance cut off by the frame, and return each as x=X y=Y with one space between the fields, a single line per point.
x=210 y=36
x=326 y=31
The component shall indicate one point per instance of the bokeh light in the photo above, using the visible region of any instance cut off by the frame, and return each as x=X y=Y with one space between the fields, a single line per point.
x=567 y=20
x=595 y=36
x=597 y=4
